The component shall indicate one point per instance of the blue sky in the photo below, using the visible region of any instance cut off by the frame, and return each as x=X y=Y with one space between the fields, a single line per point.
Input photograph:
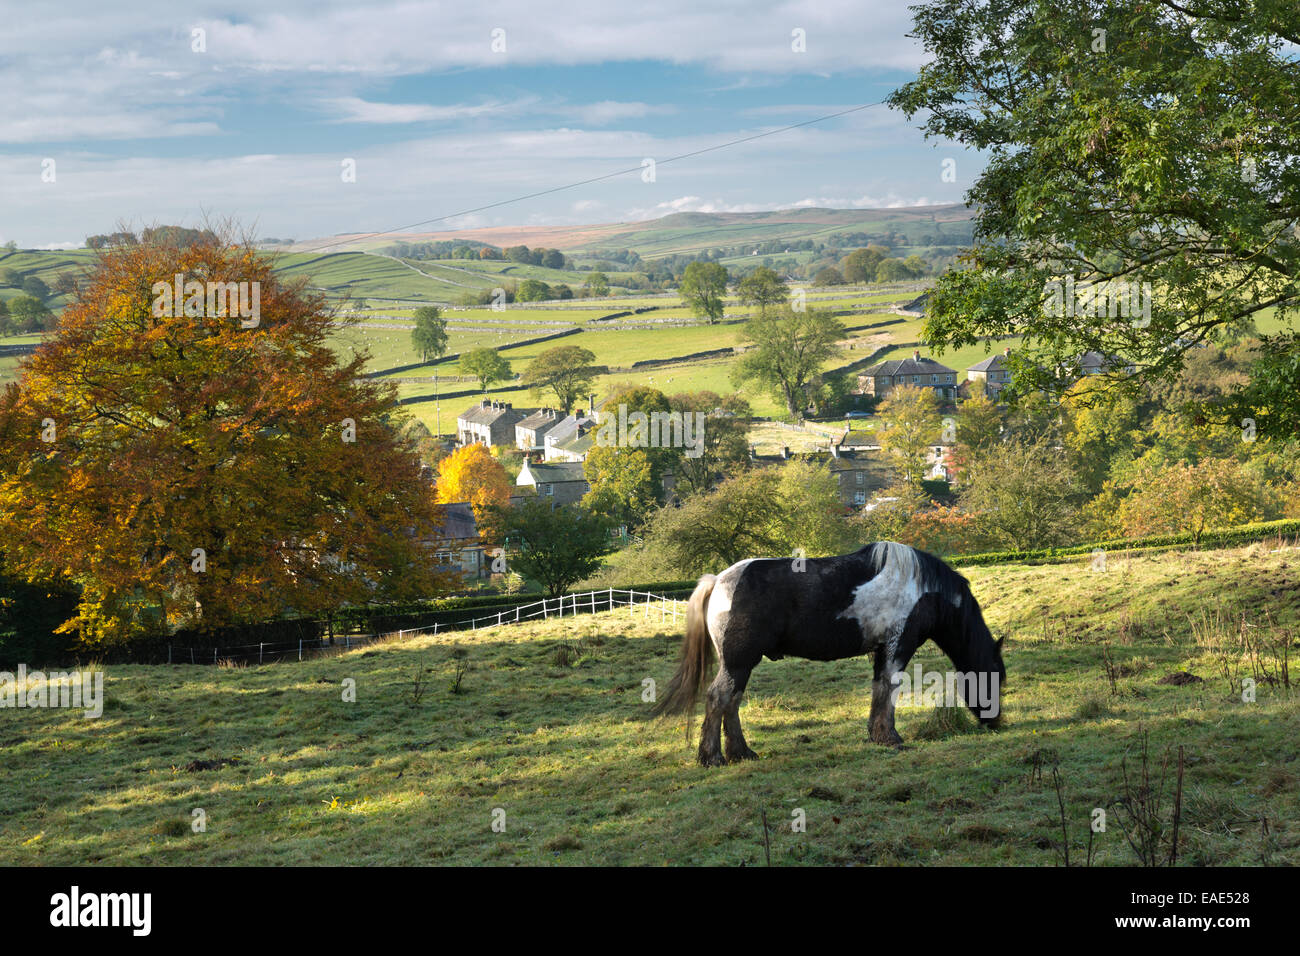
x=142 y=127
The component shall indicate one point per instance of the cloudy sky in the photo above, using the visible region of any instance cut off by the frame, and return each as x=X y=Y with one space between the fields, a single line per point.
x=153 y=112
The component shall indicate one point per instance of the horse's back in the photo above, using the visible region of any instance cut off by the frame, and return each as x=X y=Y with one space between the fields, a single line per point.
x=788 y=607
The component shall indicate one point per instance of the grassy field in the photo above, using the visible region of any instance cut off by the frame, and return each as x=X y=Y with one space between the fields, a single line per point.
x=548 y=725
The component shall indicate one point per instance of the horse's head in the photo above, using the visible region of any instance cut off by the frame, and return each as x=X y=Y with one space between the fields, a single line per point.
x=983 y=658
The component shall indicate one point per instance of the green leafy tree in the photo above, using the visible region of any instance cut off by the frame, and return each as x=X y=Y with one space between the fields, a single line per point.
x=703 y=286
x=36 y=288
x=487 y=365
x=789 y=351
x=623 y=487
x=763 y=288
x=724 y=447
x=597 y=284
x=566 y=371
x=909 y=425
x=828 y=276
x=1143 y=146
x=533 y=290
x=554 y=546
x=859 y=266
x=429 y=337
x=1025 y=496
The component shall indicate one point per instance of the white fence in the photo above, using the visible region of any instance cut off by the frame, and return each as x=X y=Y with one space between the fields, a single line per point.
x=649 y=606
x=567 y=605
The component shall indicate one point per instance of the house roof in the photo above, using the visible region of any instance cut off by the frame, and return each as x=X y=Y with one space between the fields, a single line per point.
x=540 y=419
x=489 y=413
x=907 y=366
x=994 y=363
x=552 y=472
x=458 y=521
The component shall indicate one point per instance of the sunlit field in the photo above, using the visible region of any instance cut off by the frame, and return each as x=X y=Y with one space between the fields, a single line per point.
x=545 y=726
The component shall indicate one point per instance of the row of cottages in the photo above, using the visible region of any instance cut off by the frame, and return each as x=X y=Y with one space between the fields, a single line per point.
x=545 y=431
x=990 y=375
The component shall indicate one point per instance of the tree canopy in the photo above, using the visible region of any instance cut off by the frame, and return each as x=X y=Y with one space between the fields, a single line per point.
x=1140 y=195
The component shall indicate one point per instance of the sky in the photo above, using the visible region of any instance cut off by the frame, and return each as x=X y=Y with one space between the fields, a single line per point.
x=158 y=112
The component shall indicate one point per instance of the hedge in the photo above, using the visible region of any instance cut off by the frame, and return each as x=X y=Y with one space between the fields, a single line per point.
x=1217 y=538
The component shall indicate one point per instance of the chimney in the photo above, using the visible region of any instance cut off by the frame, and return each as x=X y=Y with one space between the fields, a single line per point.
x=916 y=354
x=835 y=449
x=785 y=451
x=1007 y=350
x=753 y=452
x=591 y=400
x=509 y=405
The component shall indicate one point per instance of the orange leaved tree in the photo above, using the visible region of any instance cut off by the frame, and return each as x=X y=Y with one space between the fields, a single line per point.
x=189 y=452
x=471 y=474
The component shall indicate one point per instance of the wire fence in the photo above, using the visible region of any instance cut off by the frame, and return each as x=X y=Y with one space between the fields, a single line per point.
x=648 y=605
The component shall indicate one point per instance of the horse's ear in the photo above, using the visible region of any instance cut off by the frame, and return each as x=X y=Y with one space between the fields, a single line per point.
x=998 y=643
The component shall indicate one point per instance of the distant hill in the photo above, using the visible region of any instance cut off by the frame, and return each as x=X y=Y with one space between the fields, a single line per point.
x=686 y=232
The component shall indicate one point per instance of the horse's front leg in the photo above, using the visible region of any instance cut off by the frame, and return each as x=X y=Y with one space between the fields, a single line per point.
x=881 y=721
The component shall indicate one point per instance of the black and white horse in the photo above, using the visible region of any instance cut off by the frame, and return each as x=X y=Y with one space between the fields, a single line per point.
x=885 y=599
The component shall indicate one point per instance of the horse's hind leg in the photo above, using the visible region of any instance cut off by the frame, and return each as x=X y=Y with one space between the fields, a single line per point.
x=722 y=701
x=716 y=699
x=737 y=749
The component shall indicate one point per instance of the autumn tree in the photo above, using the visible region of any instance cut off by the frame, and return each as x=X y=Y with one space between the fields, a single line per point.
x=909 y=425
x=703 y=286
x=189 y=464
x=566 y=371
x=1214 y=493
x=789 y=351
x=487 y=365
x=978 y=432
x=471 y=474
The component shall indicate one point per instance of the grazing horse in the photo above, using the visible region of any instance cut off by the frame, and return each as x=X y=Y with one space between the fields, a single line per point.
x=885 y=599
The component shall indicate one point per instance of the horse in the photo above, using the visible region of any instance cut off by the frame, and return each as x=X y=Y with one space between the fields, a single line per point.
x=885 y=599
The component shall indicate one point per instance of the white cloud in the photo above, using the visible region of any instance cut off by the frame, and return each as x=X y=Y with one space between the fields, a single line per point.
x=353 y=109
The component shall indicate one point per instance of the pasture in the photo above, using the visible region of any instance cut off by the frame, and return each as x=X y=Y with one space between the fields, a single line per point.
x=546 y=722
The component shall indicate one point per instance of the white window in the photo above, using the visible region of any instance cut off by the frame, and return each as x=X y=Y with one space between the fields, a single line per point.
x=916 y=380
x=862 y=479
x=550 y=489
x=859 y=497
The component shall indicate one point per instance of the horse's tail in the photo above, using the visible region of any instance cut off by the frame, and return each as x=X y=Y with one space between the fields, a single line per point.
x=697 y=657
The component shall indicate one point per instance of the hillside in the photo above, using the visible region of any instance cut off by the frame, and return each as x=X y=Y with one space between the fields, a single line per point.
x=548 y=725
x=690 y=231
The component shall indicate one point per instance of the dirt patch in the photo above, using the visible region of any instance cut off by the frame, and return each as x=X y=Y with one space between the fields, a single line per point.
x=194 y=766
x=1179 y=678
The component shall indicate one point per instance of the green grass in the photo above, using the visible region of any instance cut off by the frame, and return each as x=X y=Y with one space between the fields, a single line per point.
x=549 y=726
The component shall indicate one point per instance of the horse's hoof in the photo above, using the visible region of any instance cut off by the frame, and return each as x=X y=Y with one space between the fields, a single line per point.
x=712 y=760
x=890 y=739
x=736 y=756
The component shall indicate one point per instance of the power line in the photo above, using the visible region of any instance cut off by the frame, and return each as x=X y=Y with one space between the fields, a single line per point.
x=595 y=179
